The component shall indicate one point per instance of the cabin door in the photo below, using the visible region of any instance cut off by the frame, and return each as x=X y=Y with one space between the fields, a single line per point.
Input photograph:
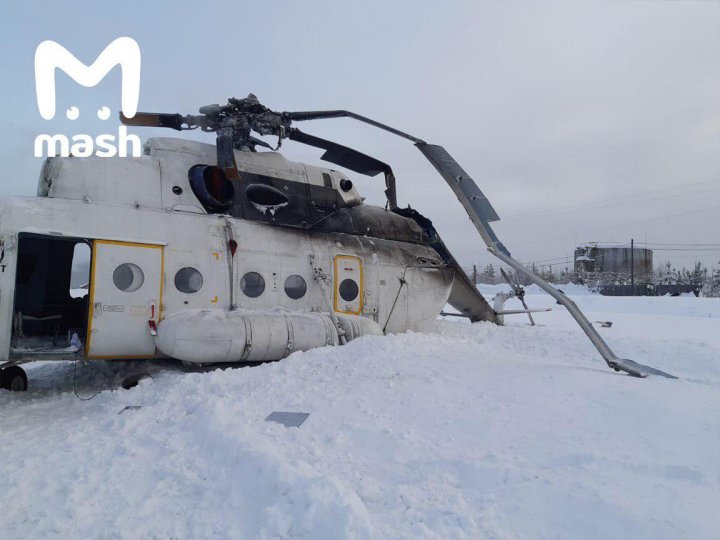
x=125 y=296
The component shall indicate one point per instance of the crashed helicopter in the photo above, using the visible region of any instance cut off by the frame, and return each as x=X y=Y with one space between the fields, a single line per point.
x=224 y=253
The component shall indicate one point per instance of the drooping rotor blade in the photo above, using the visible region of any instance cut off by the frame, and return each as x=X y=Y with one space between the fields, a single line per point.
x=478 y=207
x=441 y=160
x=481 y=213
x=341 y=155
x=172 y=121
x=350 y=159
x=612 y=360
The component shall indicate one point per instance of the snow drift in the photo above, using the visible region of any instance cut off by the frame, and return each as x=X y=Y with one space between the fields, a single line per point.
x=458 y=431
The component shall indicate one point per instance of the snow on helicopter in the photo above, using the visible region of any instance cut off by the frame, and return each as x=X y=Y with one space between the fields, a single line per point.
x=221 y=253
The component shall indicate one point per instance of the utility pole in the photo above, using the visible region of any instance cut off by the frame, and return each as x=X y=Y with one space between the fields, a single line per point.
x=475 y=273
x=632 y=265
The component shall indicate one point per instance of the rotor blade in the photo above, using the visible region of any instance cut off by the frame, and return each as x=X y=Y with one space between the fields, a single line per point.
x=301 y=116
x=611 y=359
x=172 y=121
x=507 y=278
x=529 y=311
x=638 y=370
x=320 y=115
x=341 y=155
x=476 y=204
x=481 y=213
x=446 y=314
x=520 y=311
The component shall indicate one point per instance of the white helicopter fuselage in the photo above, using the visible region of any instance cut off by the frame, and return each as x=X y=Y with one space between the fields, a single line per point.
x=156 y=256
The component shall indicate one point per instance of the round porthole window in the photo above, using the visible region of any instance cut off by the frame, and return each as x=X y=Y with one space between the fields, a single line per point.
x=188 y=280
x=348 y=290
x=252 y=284
x=295 y=287
x=128 y=277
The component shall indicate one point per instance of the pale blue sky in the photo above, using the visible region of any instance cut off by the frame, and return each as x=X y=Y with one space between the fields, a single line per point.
x=551 y=106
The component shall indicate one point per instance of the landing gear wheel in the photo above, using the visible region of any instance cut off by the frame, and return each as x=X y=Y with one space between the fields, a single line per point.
x=13 y=378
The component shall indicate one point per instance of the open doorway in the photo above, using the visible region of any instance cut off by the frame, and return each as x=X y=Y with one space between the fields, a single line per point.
x=51 y=294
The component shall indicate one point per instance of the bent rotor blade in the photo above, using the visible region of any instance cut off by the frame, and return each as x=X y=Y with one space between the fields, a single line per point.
x=618 y=364
x=476 y=205
x=638 y=370
x=172 y=121
x=350 y=159
x=481 y=213
x=341 y=155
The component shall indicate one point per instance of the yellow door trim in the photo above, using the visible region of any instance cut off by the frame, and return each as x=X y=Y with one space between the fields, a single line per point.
x=91 y=298
x=337 y=285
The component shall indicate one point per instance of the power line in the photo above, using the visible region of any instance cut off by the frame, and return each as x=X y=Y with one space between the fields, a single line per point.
x=637 y=222
x=685 y=257
x=675 y=244
x=686 y=249
x=570 y=259
x=599 y=204
x=563 y=258
x=624 y=224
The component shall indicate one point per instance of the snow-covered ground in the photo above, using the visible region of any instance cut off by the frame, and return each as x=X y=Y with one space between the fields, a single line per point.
x=458 y=431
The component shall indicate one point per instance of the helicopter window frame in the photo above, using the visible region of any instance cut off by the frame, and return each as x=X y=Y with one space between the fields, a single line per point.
x=120 y=277
x=188 y=273
x=212 y=188
x=80 y=266
x=249 y=289
x=349 y=287
x=300 y=284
